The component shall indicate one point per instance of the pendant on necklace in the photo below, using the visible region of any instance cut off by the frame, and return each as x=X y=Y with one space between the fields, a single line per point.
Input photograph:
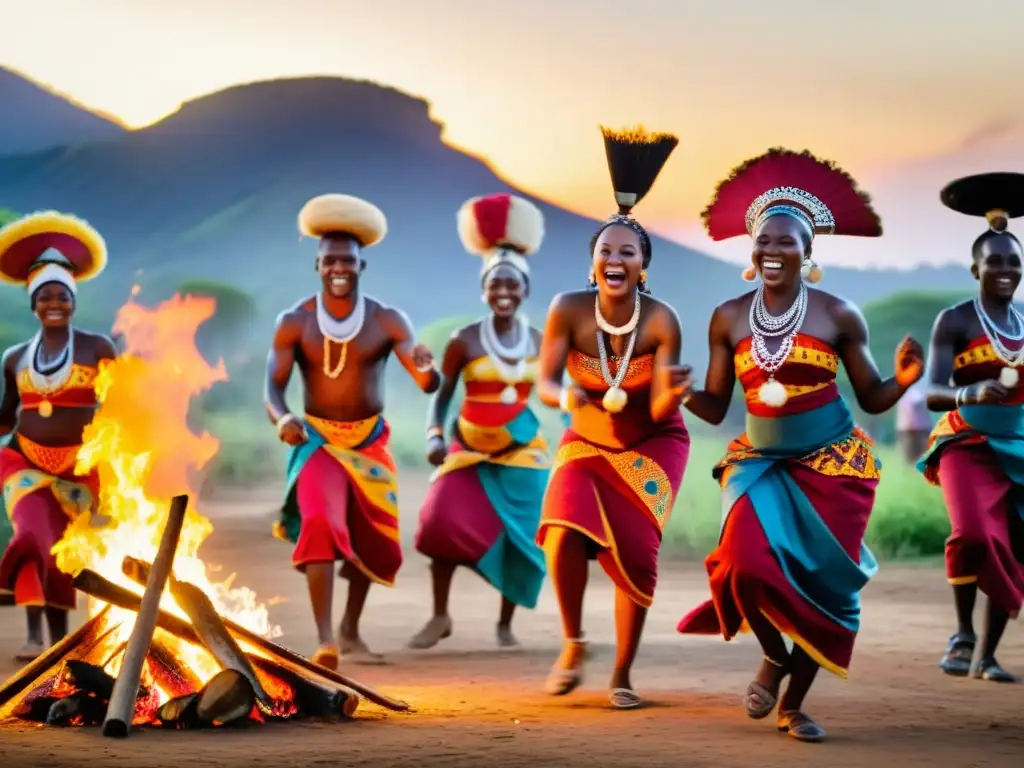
x=509 y=395
x=46 y=409
x=772 y=393
x=615 y=400
x=1009 y=377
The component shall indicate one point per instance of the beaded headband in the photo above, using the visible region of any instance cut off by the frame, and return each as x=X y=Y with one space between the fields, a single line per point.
x=796 y=202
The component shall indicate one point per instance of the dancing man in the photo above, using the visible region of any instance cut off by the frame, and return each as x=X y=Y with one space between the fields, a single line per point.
x=341 y=496
x=620 y=462
x=799 y=484
x=976 y=451
x=48 y=400
x=484 y=502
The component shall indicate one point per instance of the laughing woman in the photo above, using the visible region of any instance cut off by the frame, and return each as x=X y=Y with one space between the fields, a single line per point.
x=799 y=484
x=621 y=460
x=484 y=502
x=48 y=400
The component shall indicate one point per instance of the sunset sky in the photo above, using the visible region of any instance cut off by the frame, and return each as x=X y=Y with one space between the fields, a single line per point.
x=869 y=84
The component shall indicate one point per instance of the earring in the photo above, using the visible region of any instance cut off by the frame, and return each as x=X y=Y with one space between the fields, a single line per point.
x=592 y=279
x=805 y=268
x=643 y=276
x=814 y=274
x=750 y=274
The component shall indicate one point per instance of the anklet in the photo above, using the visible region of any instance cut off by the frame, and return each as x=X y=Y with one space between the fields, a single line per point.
x=773 y=662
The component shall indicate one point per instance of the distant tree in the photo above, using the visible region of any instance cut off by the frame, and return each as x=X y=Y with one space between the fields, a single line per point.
x=7 y=216
x=229 y=330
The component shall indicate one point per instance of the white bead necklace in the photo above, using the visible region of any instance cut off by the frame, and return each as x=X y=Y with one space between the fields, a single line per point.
x=765 y=325
x=338 y=332
x=617 y=330
x=498 y=354
x=1008 y=376
x=615 y=398
x=48 y=383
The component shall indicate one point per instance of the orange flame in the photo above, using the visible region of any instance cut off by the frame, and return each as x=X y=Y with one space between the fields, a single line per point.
x=144 y=451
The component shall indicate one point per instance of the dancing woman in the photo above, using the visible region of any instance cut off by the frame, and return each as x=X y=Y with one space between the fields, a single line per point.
x=620 y=462
x=976 y=451
x=799 y=484
x=484 y=502
x=48 y=400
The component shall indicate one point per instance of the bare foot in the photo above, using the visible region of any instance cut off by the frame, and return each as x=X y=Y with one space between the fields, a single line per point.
x=31 y=651
x=505 y=637
x=354 y=650
x=433 y=632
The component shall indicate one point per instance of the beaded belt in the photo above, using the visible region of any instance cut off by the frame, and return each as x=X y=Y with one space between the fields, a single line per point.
x=55 y=461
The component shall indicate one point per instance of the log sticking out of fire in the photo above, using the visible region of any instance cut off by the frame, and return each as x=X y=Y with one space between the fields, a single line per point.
x=138 y=570
x=227 y=699
x=169 y=673
x=122 y=702
x=310 y=698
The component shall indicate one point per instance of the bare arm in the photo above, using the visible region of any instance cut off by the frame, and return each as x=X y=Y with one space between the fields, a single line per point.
x=105 y=349
x=409 y=353
x=554 y=353
x=665 y=396
x=874 y=395
x=451 y=368
x=280 y=362
x=10 y=400
x=712 y=403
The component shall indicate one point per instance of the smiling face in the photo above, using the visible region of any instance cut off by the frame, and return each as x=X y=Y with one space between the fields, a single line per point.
x=54 y=305
x=339 y=265
x=505 y=289
x=618 y=261
x=780 y=246
x=997 y=265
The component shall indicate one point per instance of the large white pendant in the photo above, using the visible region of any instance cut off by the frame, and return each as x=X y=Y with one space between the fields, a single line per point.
x=509 y=395
x=614 y=400
x=1009 y=377
x=772 y=393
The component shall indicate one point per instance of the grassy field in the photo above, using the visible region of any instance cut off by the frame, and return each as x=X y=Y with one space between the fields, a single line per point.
x=909 y=520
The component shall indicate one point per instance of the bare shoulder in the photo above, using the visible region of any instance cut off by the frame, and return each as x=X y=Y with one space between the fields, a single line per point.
x=956 y=314
x=837 y=306
x=12 y=355
x=297 y=313
x=385 y=314
x=571 y=301
x=466 y=333
x=102 y=344
x=730 y=309
x=661 y=314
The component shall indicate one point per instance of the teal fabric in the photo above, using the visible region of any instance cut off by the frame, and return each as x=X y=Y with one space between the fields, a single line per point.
x=810 y=556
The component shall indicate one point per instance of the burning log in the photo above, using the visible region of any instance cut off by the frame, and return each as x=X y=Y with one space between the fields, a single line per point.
x=174 y=677
x=310 y=698
x=137 y=570
x=227 y=699
x=216 y=638
x=90 y=632
x=92 y=688
x=122 y=701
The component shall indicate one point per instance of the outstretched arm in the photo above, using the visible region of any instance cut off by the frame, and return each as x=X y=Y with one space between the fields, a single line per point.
x=666 y=391
x=280 y=361
x=712 y=403
x=874 y=395
x=554 y=354
x=9 y=400
x=451 y=368
x=415 y=358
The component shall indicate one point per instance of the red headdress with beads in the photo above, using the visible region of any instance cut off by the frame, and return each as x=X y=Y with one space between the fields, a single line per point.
x=501 y=229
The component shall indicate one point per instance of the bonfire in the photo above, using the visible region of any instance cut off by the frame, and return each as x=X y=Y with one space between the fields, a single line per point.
x=163 y=645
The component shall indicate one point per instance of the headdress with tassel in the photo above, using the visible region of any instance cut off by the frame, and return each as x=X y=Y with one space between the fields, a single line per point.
x=50 y=247
x=501 y=229
x=998 y=197
x=817 y=193
x=635 y=158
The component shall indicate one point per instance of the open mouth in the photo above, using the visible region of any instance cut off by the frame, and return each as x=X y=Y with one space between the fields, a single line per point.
x=504 y=305
x=771 y=268
x=615 y=278
x=1005 y=282
x=54 y=315
x=339 y=282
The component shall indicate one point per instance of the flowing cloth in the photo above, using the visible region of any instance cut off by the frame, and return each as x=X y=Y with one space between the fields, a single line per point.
x=797 y=492
x=976 y=455
x=41 y=495
x=341 y=499
x=615 y=478
x=483 y=506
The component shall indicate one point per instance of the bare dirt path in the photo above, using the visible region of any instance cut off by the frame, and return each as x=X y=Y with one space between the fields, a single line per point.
x=477 y=706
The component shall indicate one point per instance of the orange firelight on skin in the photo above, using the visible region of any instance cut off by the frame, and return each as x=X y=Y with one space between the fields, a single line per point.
x=144 y=451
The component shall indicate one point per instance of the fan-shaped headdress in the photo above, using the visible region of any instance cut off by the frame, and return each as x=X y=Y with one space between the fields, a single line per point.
x=817 y=193
x=50 y=247
x=335 y=214
x=635 y=159
x=998 y=197
x=501 y=229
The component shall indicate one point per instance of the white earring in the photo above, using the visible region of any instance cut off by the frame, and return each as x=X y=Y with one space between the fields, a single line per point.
x=805 y=268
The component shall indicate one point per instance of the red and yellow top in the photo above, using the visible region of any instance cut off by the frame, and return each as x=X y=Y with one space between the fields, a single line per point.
x=484 y=385
x=77 y=392
x=978 y=362
x=614 y=430
x=808 y=374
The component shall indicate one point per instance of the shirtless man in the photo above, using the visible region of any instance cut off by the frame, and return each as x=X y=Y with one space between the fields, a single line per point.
x=341 y=501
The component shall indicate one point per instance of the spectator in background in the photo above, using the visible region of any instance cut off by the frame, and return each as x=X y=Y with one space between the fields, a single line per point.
x=913 y=423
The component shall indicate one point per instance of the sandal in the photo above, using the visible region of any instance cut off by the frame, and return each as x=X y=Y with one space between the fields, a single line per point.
x=990 y=670
x=957 y=659
x=437 y=629
x=624 y=698
x=800 y=726
x=564 y=680
x=758 y=700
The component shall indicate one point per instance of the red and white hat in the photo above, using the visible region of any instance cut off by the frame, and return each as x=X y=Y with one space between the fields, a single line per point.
x=501 y=229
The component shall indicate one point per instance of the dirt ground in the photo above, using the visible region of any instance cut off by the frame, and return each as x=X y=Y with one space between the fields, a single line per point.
x=478 y=706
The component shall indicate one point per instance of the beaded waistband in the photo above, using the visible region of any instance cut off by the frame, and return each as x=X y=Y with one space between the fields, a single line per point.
x=53 y=460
